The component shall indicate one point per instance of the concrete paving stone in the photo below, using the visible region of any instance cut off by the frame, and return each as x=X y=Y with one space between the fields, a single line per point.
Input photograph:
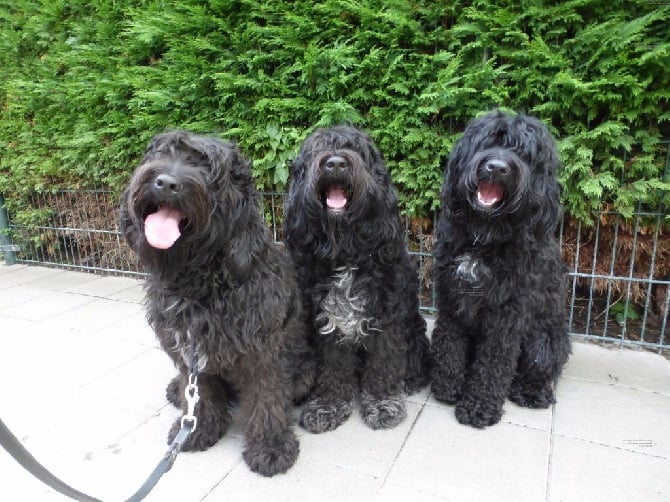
x=461 y=463
x=613 y=415
x=132 y=458
x=103 y=286
x=8 y=269
x=25 y=274
x=392 y=492
x=55 y=364
x=45 y=306
x=139 y=382
x=133 y=329
x=63 y=281
x=134 y=293
x=76 y=429
x=96 y=315
x=14 y=294
x=596 y=473
x=19 y=485
x=356 y=447
x=14 y=326
x=309 y=479
x=625 y=367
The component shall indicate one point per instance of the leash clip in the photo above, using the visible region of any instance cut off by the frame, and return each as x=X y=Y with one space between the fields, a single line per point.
x=192 y=397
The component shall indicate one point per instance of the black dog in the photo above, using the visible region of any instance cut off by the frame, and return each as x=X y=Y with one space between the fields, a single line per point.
x=501 y=285
x=343 y=230
x=219 y=292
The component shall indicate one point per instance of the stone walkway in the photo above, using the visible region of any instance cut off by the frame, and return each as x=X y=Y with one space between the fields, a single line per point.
x=83 y=387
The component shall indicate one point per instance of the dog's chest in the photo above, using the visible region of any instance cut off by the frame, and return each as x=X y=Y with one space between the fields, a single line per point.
x=343 y=312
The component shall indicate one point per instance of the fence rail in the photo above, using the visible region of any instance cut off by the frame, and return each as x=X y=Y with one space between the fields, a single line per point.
x=619 y=269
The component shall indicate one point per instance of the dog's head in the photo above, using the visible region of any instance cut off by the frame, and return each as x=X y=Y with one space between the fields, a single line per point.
x=503 y=171
x=339 y=189
x=190 y=196
x=339 y=172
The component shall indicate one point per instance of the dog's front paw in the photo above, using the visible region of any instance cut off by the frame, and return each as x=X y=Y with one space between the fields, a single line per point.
x=382 y=413
x=532 y=397
x=172 y=392
x=448 y=391
x=319 y=415
x=270 y=456
x=204 y=435
x=478 y=413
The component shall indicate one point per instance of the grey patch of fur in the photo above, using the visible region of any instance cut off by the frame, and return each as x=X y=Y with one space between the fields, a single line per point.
x=343 y=312
x=471 y=269
x=184 y=349
x=382 y=413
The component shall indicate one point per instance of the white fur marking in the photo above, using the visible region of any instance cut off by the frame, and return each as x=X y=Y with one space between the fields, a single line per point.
x=343 y=312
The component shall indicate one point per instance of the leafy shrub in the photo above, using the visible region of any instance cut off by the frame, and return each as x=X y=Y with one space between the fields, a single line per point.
x=86 y=84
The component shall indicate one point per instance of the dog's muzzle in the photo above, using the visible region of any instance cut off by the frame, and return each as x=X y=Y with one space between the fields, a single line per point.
x=335 y=183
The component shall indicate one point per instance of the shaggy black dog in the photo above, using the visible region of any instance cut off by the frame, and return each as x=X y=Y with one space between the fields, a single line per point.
x=220 y=292
x=501 y=329
x=342 y=228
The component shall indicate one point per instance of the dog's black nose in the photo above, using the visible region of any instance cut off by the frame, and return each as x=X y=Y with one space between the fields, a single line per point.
x=336 y=164
x=497 y=167
x=167 y=184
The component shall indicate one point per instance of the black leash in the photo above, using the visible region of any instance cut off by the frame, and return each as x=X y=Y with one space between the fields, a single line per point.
x=188 y=424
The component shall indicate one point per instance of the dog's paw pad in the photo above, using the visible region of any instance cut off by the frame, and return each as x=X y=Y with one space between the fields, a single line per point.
x=318 y=416
x=382 y=413
x=272 y=456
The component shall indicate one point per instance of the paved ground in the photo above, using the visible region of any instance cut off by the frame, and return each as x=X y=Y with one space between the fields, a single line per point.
x=83 y=387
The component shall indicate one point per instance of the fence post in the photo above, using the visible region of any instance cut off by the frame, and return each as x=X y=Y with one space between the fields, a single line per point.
x=6 y=246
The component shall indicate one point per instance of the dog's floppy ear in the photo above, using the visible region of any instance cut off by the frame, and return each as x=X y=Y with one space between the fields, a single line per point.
x=125 y=221
x=544 y=191
x=249 y=241
x=449 y=197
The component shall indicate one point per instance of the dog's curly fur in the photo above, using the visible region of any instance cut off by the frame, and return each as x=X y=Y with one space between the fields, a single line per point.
x=501 y=284
x=342 y=228
x=226 y=291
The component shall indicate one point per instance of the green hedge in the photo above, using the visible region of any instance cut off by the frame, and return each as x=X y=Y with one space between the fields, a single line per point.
x=86 y=84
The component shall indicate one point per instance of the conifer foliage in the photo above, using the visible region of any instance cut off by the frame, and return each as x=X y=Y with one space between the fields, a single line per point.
x=85 y=84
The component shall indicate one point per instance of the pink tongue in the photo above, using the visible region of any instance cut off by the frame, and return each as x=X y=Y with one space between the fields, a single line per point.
x=162 y=227
x=489 y=193
x=336 y=198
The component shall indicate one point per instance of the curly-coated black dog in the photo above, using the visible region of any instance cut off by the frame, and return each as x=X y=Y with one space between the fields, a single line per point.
x=220 y=292
x=501 y=329
x=343 y=231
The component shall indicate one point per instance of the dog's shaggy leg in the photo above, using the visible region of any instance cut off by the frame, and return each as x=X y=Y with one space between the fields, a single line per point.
x=172 y=392
x=417 y=374
x=382 y=381
x=271 y=447
x=212 y=411
x=448 y=359
x=301 y=365
x=542 y=358
x=488 y=381
x=330 y=404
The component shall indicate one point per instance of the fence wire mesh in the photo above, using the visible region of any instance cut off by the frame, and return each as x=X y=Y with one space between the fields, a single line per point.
x=619 y=268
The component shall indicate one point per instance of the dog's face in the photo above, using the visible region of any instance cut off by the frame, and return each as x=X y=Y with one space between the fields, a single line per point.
x=341 y=203
x=189 y=193
x=503 y=170
x=338 y=173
